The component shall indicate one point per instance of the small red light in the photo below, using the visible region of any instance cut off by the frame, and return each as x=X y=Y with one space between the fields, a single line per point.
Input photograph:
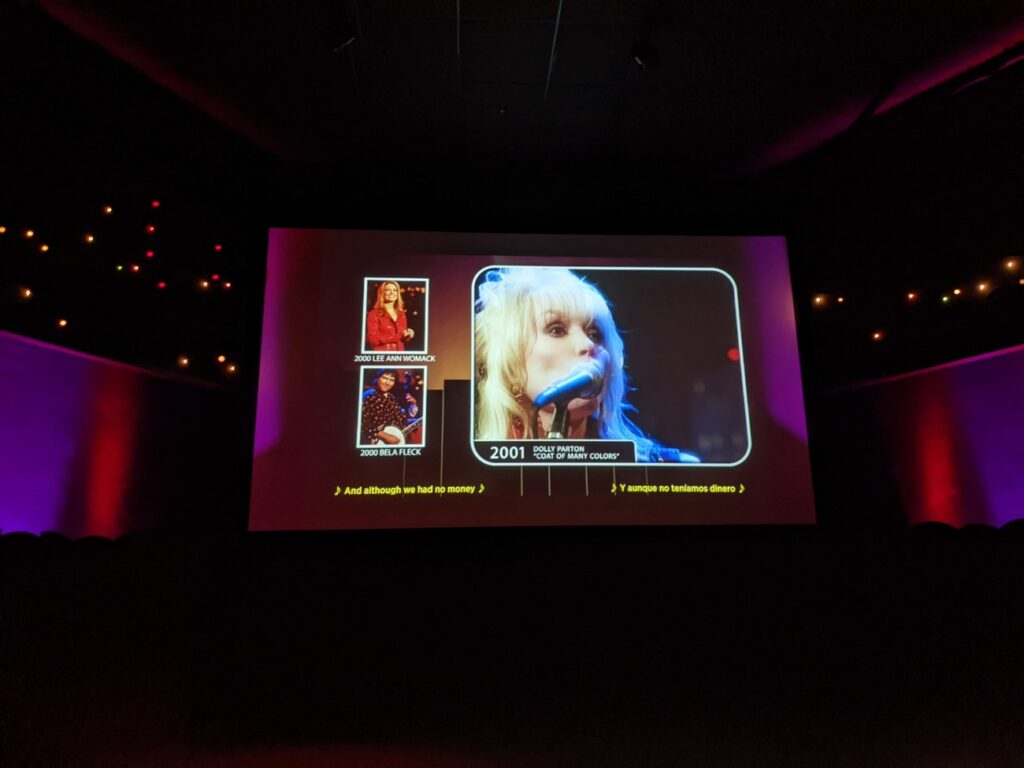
x=227 y=286
x=135 y=267
x=734 y=354
x=155 y=203
x=218 y=247
x=150 y=229
x=161 y=285
x=215 y=277
x=150 y=254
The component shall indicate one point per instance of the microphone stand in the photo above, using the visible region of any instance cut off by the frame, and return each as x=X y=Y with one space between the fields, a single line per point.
x=559 y=422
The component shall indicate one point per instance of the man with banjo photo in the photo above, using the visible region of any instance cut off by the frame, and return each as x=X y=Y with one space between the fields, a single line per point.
x=389 y=412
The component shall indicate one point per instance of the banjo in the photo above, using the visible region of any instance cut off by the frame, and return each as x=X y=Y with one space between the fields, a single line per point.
x=396 y=432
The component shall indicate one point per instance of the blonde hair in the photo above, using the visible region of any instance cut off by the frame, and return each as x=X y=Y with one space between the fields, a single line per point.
x=509 y=300
x=379 y=304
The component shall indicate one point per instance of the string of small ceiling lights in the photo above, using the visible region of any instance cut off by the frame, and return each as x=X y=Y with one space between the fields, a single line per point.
x=1011 y=267
x=207 y=283
x=149 y=262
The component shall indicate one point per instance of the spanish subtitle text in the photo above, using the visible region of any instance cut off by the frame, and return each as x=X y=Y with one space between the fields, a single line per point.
x=669 y=488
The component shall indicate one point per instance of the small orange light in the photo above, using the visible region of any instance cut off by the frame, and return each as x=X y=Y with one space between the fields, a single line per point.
x=29 y=233
x=1012 y=264
x=134 y=267
x=911 y=296
x=3 y=230
x=227 y=286
x=840 y=300
x=25 y=293
x=62 y=323
x=982 y=287
x=107 y=210
x=90 y=239
x=44 y=247
x=878 y=335
x=183 y=362
x=231 y=369
x=819 y=300
x=221 y=358
x=204 y=284
x=956 y=291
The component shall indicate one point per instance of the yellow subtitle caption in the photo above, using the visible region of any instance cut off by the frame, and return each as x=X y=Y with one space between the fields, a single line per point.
x=410 y=490
x=669 y=488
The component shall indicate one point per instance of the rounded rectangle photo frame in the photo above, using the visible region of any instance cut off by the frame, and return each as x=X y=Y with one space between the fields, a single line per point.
x=619 y=366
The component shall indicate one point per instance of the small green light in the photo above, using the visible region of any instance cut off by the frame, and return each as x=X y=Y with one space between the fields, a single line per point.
x=119 y=268
x=945 y=299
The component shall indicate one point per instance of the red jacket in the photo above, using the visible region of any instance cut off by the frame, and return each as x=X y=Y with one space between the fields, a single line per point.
x=384 y=334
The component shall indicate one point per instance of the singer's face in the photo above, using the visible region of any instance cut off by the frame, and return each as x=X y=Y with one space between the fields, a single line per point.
x=390 y=293
x=563 y=341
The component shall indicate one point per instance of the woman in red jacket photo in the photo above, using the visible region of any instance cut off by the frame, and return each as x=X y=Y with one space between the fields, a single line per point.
x=387 y=328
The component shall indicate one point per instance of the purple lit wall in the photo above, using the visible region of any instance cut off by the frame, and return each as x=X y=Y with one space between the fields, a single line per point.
x=90 y=447
x=772 y=307
x=952 y=439
x=44 y=401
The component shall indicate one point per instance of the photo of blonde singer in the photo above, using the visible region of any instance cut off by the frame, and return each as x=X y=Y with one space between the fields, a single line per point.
x=545 y=344
x=387 y=325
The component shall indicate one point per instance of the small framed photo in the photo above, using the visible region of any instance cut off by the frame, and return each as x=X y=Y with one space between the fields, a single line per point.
x=392 y=407
x=395 y=314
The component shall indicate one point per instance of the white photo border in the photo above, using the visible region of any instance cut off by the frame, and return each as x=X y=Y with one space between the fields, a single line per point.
x=577 y=268
x=426 y=315
x=422 y=405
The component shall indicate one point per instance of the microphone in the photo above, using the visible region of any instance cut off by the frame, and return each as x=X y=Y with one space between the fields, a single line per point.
x=585 y=380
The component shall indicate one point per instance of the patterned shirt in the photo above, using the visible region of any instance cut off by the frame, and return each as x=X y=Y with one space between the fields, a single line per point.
x=380 y=409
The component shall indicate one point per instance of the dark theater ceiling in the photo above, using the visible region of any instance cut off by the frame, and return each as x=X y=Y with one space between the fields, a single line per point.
x=728 y=87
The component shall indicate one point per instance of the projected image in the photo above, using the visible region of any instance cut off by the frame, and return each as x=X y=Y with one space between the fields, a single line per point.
x=553 y=367
x=392 y=407
x=568 y=380
x=395 y=314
